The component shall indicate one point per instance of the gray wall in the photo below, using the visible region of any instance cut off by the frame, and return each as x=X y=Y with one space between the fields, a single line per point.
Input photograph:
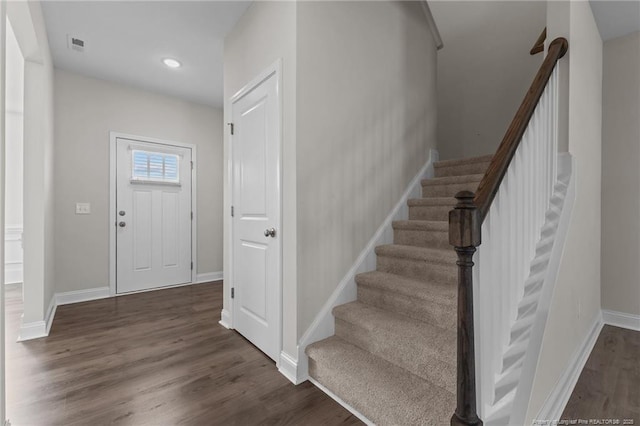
x=366 y=96
x=484 y=70
x=621 y=175
x=87 y=109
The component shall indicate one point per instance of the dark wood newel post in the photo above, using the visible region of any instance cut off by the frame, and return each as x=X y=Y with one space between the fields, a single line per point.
x=464 y=235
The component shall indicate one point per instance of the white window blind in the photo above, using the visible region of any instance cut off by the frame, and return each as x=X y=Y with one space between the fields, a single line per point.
x=155 y=167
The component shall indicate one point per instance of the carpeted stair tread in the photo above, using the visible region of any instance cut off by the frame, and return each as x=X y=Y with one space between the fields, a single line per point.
x=426 y=254
x=452 y=180
x=463 y=161
x=422 y=233
x=423 y=349
x=436 y=291
x=433 y=208
x=429 y=301
x=421 y=263
x=449 y=186
x=422 y=225
x=393 y=356
x=467 y=166
x=432 y=201
x=382 y=392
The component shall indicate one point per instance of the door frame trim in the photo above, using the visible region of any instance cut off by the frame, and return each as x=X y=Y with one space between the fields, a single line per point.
x=273 y=69
x=113 y=137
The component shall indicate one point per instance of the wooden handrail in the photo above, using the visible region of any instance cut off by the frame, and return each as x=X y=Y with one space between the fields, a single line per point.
x=539 y=44
x=465 y=224
x=500 y=162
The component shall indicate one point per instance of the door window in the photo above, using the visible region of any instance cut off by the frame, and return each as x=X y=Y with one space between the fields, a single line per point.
x=155 y=167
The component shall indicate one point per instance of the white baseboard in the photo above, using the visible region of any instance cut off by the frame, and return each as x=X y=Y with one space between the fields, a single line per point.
x=621 y=319
x=32 y=330
x=208 y=276
x=38 y=329
x=339 y=400
x=78 y=296
x=288 y=367
x=557 y=400
x=225 y=319
x=346 y=291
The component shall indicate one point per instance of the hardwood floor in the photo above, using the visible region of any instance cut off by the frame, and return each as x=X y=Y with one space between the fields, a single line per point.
x=155 y=358
x=609 y=385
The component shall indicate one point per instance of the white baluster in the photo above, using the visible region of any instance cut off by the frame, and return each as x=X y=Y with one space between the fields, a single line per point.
x=510 y=234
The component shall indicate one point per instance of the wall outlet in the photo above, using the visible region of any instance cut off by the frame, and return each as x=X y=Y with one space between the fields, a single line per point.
x=83 y=208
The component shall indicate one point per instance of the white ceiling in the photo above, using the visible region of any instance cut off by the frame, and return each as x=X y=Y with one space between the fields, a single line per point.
x=125 y=42
x=616 y=18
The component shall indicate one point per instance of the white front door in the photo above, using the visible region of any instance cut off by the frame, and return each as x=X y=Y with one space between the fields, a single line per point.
x=256 y=222
x=153 y=215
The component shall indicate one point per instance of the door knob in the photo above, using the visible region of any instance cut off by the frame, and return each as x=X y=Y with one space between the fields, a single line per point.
x=122 y=224
x=271 y=232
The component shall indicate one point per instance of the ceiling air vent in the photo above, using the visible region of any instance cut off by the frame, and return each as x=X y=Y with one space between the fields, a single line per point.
x=75 y=43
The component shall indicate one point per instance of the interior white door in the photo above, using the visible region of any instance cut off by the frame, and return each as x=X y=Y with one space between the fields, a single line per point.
x=256 y=221
x=153 y=215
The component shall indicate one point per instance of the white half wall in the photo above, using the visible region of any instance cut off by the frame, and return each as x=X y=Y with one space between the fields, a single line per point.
x=575 y=303
x=87 y=109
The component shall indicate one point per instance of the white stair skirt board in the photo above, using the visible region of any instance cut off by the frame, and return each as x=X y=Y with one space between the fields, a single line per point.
x=38 y=329
x=208 y=277
x=346 y=291
x=511 y=408
x=337 y=399
x=557 y=400
x=621 y=319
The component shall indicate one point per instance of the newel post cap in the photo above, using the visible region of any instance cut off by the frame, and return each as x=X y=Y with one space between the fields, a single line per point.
x=464 y=222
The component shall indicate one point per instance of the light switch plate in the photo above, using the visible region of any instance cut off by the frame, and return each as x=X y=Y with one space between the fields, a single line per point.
x=83 y=208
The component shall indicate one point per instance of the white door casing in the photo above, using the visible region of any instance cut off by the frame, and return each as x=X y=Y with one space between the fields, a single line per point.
x=256 y=252
x=153 y=219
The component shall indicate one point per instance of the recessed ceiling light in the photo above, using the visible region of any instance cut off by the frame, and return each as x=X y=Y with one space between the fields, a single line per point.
x=171 y=63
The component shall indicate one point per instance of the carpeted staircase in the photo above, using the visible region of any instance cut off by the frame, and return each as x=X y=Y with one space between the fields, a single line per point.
x=393 y=356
